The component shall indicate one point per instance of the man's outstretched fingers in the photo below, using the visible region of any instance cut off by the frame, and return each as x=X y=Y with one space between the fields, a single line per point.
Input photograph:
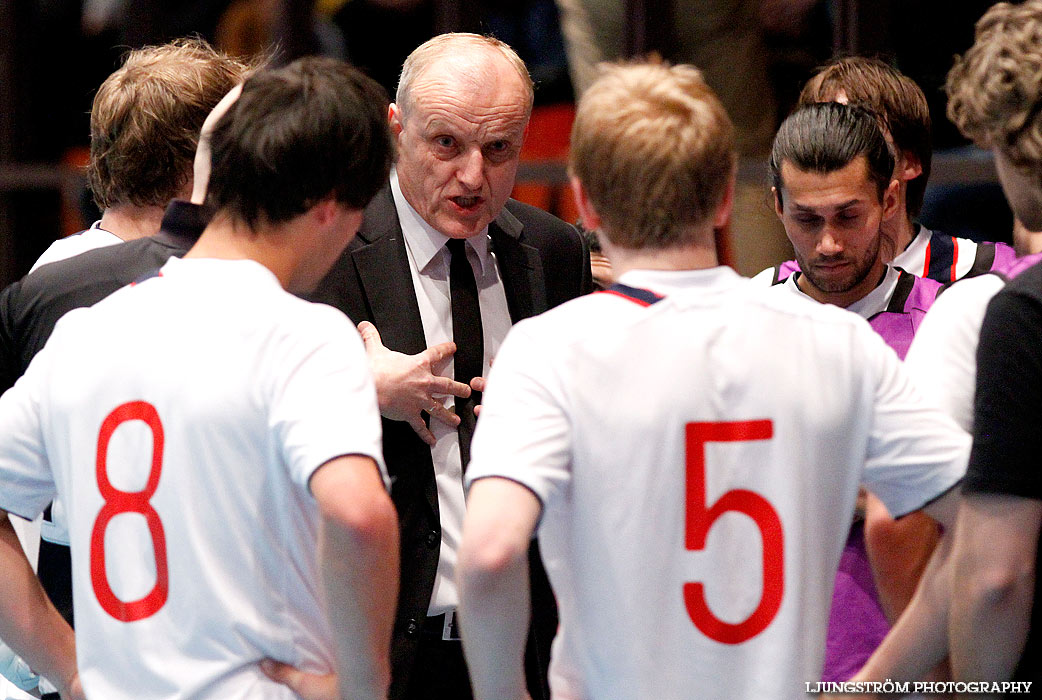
x=440 y=413
x=418 y=425
x=437 y=353
x=444 y=386
x=370 y=336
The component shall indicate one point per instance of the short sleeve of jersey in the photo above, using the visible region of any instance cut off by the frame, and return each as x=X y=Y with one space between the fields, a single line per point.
x=324 y=403
x=943 y=356
x=26 y=480
x=1008 y=412
x=523 y=390
x=915 y=452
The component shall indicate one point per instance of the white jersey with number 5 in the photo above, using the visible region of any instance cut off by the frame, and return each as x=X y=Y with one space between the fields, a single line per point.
x=697 y=459
x=180 y=420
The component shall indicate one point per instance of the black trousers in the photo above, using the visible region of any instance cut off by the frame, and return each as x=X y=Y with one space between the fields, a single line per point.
x=439 y=672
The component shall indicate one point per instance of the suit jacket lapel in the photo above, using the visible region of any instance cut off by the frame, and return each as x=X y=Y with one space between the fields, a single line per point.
x=379 y=255
x=383 y=266
x=520 y=266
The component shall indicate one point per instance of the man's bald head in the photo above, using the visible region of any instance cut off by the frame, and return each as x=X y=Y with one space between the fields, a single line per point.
x=469 y=54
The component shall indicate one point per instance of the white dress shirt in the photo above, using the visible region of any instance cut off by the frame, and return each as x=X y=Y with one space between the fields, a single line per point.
x=429 y=266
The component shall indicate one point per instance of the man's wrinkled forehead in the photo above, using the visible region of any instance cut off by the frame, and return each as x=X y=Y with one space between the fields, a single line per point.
x=506 y=124
x=452 y=79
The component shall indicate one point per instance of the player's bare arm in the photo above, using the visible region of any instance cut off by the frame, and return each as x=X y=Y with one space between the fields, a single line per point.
x=919 y=639
x=899 y=551
x=30 y=623
x=358 y=555
x=493 y=578
x=994 y=582
x=406 y=386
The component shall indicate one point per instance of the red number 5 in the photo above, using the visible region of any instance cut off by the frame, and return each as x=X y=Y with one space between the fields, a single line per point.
x=701 y=516
x=117 y=502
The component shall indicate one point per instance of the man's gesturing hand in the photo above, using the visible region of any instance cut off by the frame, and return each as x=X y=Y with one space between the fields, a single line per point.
x=406 y=385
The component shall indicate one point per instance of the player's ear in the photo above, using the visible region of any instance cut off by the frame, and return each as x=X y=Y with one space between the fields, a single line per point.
x=394 y=120
x=909 y=167
x=723 y=212
x=325 y=212
x=891 y=199
x=590 y=218
x=778 y=208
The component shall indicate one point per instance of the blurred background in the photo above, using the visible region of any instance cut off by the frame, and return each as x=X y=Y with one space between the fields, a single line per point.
x=755 y=53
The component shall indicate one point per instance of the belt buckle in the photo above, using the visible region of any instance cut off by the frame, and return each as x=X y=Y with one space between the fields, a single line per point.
x=450 y=628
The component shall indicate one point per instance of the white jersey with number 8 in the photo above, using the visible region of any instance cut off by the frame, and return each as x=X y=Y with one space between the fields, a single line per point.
x=180 y=420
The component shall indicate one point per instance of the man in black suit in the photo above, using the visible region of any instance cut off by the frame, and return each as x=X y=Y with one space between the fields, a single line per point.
x=444 y=263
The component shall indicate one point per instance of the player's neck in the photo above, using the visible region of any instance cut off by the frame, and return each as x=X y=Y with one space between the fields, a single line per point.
x=692 y=257
x=228 y=239
x=1026 y=242
x=129 y=222
x=901 y=230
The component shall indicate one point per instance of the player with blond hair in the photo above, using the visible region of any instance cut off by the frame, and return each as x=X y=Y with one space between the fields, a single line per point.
x=658 y=433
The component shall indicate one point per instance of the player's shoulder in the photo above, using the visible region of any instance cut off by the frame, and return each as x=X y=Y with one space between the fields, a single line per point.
x=71 y=329
x=914 y=293
x=95 y=273
x=32 y=305
x=1027 y=280
x=776 y=274
x=971 y=243
x=74 y=245
x=953 y=320
x=785 y=317
x=1015 y=267
x=981 y=256
x=773 y=291
x=300 y=323
x=584 y=318
x=780 y=300
x=312 y=314
x=309 y=333
x=723 y=290
x=967 y=291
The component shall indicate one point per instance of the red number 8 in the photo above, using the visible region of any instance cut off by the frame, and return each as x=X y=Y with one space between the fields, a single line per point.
x=700 y=519
x=117 y=502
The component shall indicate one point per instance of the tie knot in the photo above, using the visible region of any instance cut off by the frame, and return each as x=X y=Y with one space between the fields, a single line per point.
x=457 y=247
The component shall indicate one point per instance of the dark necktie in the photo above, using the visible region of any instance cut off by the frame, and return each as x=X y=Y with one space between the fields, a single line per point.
x=467 y=334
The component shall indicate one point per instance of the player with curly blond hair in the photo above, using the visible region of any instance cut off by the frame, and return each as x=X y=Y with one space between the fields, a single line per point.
x=995 y=98
x=995 y=93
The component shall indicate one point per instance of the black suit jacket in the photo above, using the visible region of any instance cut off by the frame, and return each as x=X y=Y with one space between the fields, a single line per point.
x=543 y=263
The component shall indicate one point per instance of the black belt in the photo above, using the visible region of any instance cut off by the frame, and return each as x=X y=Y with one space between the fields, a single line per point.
x=444 y=626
